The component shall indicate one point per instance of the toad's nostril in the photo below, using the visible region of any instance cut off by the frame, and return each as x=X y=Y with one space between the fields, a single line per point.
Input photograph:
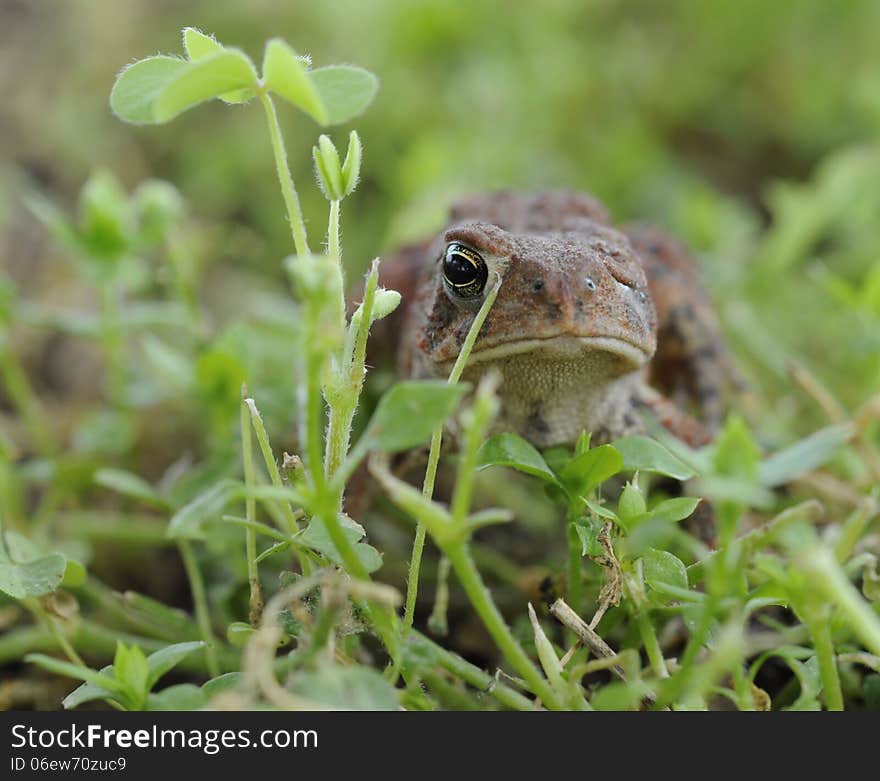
x=538 y=285
x=590 y=284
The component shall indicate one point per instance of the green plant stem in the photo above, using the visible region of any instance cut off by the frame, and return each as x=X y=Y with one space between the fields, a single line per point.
x=112 y=338
x=482 y=601
x=95 y=641
x=415 y=561
x=652 y=645
x=418 y=549
x=344 y=398
x=820 y=565
x=677 y=682
x=200 y=604
x=437 y=621
x=334 y=245
x=312 y=417
x=181 y=262
x=745 y=699
x=575 y=582
x=474 y=676
x=23 y=398
x=853 y=528
x=334 y=250
x=126 y=610
x=11 y=498
x=288 y=190
x=269 y=461
x=49 y=622
x=450 y=696
x=247 y=455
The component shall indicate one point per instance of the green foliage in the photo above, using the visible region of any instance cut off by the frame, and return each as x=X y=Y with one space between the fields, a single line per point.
x=128 y=681
x=190 y=309
x=26 y=572
x=157 y=89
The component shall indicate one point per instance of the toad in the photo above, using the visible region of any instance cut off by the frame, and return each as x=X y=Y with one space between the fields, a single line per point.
x=592 y=325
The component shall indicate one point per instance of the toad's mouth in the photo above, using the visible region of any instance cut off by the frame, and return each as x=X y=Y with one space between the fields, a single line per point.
x=565 y=348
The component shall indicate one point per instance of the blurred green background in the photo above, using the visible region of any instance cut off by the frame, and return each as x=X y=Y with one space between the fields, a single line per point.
x=748 y=128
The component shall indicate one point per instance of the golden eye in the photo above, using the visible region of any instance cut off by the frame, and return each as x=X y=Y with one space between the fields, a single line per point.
x=464 y=270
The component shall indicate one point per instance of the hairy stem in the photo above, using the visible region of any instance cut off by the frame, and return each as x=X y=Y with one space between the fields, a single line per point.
x=247 y=455
x=652 y=645
x=415 y=562
x=200 y=604
x=288 y=190
x=482 y=601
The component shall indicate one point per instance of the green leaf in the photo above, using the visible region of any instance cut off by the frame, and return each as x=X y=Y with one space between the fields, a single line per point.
x=74 y=574
x=661 y=568
x=132 y=670
x=601 y=511
x=139 y=85
x=25 y=572
x=158 y=206
x=351 y=168
x=106 y=224
x=515 y=452
x=203 y=80
x=60 y=667
x=557 y=457
x=583 y=443
x=91 y=691
x=804 y=455
x=408 y=413
x=735 y=453
x=167 y=623
x=631 y=504
x=222 y=683
x=165 y=659
x=186 y=523
x=286 y=74
x=328 y=168
x=182 y=697
x=157 y=89
x=644 y=454
x=238 y=633
x=587 y=530
x=673 y=510
x=198 y=45
x=316 y=537
x=345 y=91
x=129 y=484
x=810 y=681
x=547 y=656
x=735 y=491
x=351 y=688
x=620 y=696
x=584 y=473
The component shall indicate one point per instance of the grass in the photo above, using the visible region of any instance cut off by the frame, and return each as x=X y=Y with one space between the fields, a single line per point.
x=254 y=586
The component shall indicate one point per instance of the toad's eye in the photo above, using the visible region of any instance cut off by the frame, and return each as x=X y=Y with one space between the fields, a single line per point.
x=464 y=271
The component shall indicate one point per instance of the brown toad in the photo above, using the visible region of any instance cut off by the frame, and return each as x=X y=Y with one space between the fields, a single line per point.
x=590 y=327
